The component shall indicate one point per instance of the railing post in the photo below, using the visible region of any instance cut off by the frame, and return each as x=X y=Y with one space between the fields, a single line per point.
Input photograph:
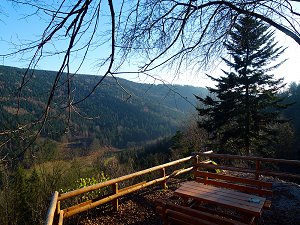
x=61 y=217
x=257 y=169
x=195 y=162
x=164 y=182
x=52 y=209
x=115 y=202
x=58 y=207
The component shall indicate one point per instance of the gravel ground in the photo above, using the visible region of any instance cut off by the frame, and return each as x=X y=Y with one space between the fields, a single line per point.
x=139 y=208
x=285 y=209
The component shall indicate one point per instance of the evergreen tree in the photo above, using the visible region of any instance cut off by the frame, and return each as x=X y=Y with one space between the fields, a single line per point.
x=245 y=103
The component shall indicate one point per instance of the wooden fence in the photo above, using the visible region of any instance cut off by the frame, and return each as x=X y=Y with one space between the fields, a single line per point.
x=56 y=215
x=257 y=161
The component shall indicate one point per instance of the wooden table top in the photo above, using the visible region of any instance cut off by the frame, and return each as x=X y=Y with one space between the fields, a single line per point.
x=240 y=201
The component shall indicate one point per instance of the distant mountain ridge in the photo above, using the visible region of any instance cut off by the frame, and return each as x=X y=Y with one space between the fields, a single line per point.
x=151 y=112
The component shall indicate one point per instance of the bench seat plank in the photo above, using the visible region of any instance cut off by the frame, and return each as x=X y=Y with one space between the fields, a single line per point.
x=186 y=215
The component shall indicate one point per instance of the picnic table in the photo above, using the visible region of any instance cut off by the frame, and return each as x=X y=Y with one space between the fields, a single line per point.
x=246 y=204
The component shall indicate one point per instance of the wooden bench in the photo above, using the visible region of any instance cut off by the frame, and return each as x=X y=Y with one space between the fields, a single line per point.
x=176 y=214
x=250 y=186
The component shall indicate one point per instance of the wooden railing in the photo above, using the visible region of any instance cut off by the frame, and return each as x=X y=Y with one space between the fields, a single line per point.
x=257 y=161
x=56 y=215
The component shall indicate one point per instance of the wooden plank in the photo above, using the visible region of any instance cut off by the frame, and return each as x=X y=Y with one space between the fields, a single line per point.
x=207 y=217
x=192 y=185
x=86 y=202
x=240 y=169
x=237 y=187
x=74 y=207
x=279 y=174
x=180 y=171
x=221 y=196
x=182 y=218
x=197 y=206
x=251 y=158
x=193 y=213
x=132 y=186
x=252 y=182
x=222 y=200
x=220 y=192
x=225 y=203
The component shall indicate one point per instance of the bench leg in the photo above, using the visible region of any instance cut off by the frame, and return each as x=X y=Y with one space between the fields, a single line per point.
x=249 y=219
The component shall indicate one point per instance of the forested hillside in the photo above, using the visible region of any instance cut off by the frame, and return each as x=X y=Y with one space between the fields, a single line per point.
x=111 y=116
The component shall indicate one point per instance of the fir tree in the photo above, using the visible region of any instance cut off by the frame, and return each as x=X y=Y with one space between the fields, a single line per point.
x=245 y=102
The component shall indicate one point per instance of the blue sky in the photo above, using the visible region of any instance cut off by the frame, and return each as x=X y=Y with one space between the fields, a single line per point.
x=16 y=27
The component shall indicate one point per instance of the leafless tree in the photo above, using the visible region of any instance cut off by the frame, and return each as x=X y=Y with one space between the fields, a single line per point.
x=170 y=34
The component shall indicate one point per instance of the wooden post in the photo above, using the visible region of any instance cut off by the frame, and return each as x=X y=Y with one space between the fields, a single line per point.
x=58 y=207
x=257 y=168
x=196 y=162
x=164 y=213
x=164 y=182
x=115 y=202
x=61 y=217
x=51 y=210
x=205 y=180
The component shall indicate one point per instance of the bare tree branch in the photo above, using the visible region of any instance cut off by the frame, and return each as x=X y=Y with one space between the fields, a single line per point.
x=155 y=34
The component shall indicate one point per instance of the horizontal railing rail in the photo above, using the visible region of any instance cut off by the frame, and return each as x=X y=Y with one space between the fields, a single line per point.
x=251 y=158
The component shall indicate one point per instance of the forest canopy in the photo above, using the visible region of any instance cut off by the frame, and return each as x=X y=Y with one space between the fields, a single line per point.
x=155 y=34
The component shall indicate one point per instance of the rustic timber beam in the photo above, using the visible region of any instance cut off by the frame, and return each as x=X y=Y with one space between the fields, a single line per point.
x=119 y=179
x=240 y=169
x=52 y=208
x=251 y=158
